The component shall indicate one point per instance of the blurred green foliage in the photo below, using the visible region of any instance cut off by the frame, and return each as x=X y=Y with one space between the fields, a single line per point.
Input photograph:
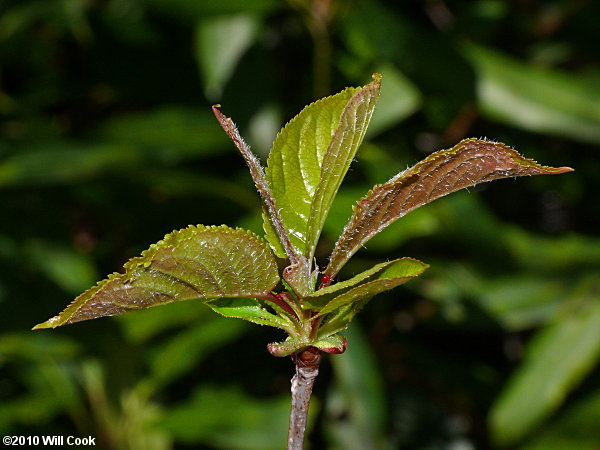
x=107 y=143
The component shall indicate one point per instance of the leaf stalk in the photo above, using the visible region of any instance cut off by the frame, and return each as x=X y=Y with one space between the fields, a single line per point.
x=260 y=181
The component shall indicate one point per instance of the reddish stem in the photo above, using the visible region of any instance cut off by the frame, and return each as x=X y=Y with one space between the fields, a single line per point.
x=307 y=368
x=280 y=301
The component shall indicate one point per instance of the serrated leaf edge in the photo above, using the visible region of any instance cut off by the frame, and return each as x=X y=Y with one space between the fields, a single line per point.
x=145 y=259
x=332 y=270
x=327 y=308
x=316 y=212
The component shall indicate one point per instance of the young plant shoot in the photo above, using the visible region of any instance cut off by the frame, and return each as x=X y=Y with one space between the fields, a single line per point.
x=235 y=272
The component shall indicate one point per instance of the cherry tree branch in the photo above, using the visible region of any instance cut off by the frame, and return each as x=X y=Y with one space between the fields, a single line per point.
x=307 y=368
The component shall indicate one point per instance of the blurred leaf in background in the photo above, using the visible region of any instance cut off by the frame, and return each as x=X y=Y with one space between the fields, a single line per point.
x=107 y=143
x=536 y=99
x=220 y=43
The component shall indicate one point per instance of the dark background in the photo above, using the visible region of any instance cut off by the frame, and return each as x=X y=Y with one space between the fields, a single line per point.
x=107 y=143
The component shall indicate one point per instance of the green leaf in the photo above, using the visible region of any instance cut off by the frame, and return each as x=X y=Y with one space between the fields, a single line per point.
x=310 y=157
x=69 y=269
x=43 y=366
x=340 y=319
x=220 y=43
x=518 y=301
x=197 y=262
x=329 y=344
x=394 y=275
x=521 y=301
x=63 y=162
x=553 y=254
x=557 y=360
x=188 y=10
x=148 y=323
x=225 y=417
x=468 y=163
x=333 y=344
x=341 y=151
x=172 y=358
x=575 y=429
x=358 y=395
x=534 y=98
x=162 y=136
x=36 y=348
x=343 y=304
x=272 y=236
x=287 y=347
x=294 y=164
x=398 y=267
x=250 y=309
x=49 y=391
x=168 y=134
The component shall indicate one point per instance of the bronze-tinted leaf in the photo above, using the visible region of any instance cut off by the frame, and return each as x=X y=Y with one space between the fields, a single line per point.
x=275 y=231
x=470 y=162
x=197 y=262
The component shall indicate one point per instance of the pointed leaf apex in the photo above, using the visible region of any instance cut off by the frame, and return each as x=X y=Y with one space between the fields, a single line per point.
x=198 y=262
x=53 y=322
x=468 y=163
x=559 y=170
x=261 y=183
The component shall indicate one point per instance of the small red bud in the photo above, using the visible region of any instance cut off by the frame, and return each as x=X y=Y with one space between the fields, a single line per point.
x=325 y=281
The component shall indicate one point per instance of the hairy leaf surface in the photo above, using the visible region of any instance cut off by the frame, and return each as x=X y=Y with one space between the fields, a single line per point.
x=276 y=232
x=310 y=157
x=470 y=162
x=197 y=262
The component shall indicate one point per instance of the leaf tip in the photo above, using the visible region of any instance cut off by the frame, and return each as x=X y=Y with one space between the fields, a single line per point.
x=50 y=323
x=563 y=169
x=336 y=350
x=276 y=349
x=423 y=265
x=218 y=114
